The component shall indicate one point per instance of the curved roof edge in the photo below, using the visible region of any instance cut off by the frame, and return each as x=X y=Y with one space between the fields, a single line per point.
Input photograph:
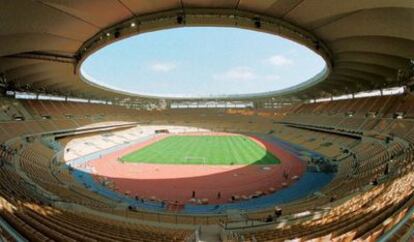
x=206 y=17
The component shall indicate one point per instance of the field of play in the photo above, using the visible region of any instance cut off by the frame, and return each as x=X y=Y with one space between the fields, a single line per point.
x=172 y=177
x=203 y=150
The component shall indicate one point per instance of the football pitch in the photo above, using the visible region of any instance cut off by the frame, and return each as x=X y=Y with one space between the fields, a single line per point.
x=203 y=150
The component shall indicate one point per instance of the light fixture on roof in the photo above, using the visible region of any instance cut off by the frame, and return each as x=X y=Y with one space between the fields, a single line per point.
x=180 y=19
x=117 y=34
x=317 y=45
x=108 y=34
x=133 y=24
x=3 y=80
x=257 y=22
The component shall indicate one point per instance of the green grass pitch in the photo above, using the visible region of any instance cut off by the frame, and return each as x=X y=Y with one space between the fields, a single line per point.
x=203 y=150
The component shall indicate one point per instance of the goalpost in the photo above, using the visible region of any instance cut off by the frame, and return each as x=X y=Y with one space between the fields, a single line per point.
x=196 y=159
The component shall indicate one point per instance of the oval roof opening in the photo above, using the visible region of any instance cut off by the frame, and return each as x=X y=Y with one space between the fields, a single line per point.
x=202 y=62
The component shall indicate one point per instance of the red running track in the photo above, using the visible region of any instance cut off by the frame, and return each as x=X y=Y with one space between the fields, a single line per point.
x=177 y=182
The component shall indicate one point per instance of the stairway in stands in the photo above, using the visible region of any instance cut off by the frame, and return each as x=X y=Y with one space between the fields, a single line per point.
x=210 y=233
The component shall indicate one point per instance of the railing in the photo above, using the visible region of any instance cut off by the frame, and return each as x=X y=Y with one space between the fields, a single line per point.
x=388 y=235
x=234 y=237
x=11 y=231
x=195 y=236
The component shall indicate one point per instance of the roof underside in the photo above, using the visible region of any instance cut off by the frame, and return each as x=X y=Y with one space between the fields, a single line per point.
x=369 y=40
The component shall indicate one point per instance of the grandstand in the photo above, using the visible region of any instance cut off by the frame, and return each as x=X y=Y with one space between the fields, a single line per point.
x=331 y=159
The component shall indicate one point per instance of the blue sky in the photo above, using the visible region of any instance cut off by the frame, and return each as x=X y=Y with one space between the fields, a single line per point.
x=202 y=61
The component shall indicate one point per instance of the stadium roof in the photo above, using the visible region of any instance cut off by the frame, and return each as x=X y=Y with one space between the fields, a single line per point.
x=365 y=43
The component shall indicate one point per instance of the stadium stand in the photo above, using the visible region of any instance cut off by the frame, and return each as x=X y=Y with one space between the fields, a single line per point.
x=342 y=123
x=356 y=199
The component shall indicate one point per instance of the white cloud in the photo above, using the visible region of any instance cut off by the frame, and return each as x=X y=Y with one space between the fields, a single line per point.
x=236 y=74
x=163 y=66
x=279 y=60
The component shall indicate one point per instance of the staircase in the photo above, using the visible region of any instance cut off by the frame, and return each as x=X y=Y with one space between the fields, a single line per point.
x=210 y=233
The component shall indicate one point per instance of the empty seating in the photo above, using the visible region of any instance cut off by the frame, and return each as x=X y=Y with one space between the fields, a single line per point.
x=370 y=193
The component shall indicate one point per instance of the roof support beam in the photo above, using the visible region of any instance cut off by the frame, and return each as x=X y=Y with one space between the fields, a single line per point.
x=45 y=56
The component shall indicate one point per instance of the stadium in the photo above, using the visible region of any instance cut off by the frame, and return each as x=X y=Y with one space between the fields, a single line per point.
x=308 y=138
